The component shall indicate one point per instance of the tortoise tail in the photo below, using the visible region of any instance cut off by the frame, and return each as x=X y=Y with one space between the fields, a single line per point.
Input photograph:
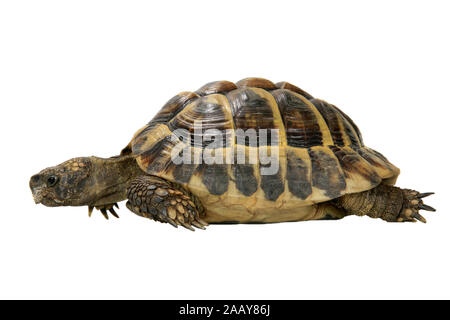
x=389 y=203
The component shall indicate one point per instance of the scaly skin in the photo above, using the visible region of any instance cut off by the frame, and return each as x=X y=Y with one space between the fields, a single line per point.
x=89 y=181
x=158 y=199
x=386 y=202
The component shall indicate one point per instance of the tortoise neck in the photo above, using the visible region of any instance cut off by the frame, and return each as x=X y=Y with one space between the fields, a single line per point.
x=111 y=178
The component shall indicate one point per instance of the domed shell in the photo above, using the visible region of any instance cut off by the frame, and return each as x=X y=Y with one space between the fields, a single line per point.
x=321 y=151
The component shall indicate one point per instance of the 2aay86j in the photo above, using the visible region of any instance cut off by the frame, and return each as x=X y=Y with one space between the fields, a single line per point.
x=242 y=309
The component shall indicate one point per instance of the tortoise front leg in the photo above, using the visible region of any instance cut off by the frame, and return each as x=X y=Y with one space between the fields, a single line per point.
x=160 y=200
x=104 y=209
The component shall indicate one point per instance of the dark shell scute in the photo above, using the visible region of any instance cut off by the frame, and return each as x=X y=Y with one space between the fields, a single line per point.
x=352 y=162
x=300 y=121
x=325 y=173
x=173 y=107
x=245 y=179
x=158 y=157
x=207 y=114
x=214 y=177
x=251 y=112
x=331 y=118
x=272 y=185
x=351 y=130
x=297 y=176
x=182 y=173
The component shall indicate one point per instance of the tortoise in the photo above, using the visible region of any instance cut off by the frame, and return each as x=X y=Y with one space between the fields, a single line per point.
x=323 y=169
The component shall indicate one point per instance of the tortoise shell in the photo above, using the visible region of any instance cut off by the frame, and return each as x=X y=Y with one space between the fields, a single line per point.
x=321 y=151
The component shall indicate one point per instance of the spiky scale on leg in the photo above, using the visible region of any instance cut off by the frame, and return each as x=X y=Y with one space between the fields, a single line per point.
x=423 y=195
x=163 y=201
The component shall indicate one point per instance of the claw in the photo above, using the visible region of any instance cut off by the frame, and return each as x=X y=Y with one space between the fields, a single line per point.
x=90 y=209
x=419 y=217
x=116 y=205
x=198 y=225
x=425 y=194
x=111 y=210
x=202 y=222
x=184 y=224
x=426 y=207
x=105 y=214
x=172 y=223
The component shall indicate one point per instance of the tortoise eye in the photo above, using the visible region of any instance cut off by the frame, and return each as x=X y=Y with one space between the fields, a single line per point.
x=52 y=180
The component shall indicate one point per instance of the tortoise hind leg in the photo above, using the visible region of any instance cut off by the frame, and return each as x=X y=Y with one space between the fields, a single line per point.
x=386 y=202
x=160 y=200
x=328 y=211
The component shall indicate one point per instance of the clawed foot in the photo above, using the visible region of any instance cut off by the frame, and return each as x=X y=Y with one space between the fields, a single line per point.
x=412 y=203
x=104 y=209
x=154 y=198
x=175 y=214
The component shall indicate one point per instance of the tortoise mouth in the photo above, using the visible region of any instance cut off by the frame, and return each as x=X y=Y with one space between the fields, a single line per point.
x=41 y=197
x=48 y=202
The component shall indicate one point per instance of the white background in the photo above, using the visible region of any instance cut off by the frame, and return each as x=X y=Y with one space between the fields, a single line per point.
x=78 y=78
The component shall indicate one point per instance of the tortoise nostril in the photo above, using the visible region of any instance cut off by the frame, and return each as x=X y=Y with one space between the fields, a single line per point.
x=35 y=180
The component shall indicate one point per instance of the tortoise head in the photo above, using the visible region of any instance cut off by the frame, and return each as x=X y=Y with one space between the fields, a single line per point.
x=66 y=184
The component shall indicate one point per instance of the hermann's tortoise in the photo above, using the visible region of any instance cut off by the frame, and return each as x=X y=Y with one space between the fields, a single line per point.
x=250 y=152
